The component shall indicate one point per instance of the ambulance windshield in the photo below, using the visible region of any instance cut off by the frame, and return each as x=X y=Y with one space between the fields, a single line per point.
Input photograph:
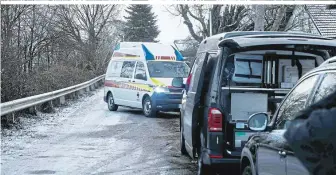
x=168 y=69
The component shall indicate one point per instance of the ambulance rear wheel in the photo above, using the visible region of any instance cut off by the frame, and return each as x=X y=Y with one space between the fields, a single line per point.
x=110 y=103
x=147 y=108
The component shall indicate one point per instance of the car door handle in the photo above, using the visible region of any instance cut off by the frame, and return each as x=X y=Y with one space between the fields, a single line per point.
x=282 y=153
x=133 y=81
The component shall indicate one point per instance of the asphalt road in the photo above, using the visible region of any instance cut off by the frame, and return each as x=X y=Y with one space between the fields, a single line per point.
x=92 y=140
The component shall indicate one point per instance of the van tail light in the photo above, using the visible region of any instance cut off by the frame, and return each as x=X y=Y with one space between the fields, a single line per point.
x=188 y=81
x=215 y=120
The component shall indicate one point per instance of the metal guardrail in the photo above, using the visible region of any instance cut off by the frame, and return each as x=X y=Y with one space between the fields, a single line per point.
x=24 y=103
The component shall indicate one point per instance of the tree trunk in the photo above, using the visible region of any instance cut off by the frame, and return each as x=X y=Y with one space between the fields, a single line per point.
x=258 y=17
x=30 y=65
x=279 y=16
x=48 y=59
x=18 y=45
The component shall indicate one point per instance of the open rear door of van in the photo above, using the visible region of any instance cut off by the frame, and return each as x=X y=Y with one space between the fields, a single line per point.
x=194 y=103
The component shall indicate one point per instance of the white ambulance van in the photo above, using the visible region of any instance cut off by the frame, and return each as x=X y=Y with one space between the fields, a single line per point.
x=146 y=76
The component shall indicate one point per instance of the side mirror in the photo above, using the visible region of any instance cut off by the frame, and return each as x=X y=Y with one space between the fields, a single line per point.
x=177 y=82
x=140 y=76
x=258 y=122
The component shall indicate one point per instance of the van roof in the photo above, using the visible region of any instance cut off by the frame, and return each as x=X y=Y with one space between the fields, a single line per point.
x=147 y=51
x=211 y=43
x=278 y=39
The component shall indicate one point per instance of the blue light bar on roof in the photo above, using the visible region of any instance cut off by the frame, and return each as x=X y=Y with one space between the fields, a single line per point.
x=179 y=56
x=148 y=54
x=117 y=47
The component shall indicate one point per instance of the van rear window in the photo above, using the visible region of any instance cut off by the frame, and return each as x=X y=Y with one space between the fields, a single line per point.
x=167 y=69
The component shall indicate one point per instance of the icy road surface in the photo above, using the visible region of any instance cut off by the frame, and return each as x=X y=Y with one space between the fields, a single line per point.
x=86 y=138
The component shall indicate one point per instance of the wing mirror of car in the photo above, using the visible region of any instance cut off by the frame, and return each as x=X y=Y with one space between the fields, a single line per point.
x=258 y=122
x=140 y=76
x=177 y=82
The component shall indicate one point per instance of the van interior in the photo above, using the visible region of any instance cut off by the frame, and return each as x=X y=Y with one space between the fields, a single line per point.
x=257 y=80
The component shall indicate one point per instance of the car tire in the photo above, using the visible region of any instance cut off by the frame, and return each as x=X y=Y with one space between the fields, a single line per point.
x=202 y=168
x=247 y=170
x=110 y=103
x=147 y=108
x=182 y=142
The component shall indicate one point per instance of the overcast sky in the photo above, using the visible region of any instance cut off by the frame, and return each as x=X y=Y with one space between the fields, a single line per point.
x=171 y=27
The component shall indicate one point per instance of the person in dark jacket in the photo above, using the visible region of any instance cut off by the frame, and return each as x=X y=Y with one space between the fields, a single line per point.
x=312 y=136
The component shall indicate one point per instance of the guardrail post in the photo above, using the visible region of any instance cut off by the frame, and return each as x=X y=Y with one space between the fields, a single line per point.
x=12 y=118
x=62 y=100
x=80 y=92
x=59 y=101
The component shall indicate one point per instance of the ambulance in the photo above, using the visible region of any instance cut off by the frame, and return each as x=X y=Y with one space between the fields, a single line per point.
x=148 y=76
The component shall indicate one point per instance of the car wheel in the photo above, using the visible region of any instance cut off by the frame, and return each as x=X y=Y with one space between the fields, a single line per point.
x=110 y=103
x=203 y=169
x=147 y=108
x=182 y=141
x=247 y=171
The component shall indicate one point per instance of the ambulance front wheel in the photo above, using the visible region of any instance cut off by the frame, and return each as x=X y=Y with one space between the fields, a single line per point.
x=147 y=108
x=110 y=103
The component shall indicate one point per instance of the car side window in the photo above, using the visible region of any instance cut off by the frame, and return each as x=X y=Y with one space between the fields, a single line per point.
x=195 y=72
x=127 y=69
x=140 y=71
x=327 y=86
x=114 y=69
x=295 y=102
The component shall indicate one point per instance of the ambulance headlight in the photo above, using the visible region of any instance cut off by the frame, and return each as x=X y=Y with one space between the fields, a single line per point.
x=161 y=90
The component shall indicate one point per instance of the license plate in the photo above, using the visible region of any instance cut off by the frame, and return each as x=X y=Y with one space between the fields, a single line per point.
x=241 y=137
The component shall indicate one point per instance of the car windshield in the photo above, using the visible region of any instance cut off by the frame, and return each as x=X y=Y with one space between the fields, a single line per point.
x=165 y=69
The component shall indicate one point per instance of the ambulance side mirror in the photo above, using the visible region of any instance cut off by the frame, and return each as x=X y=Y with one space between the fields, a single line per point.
x=177 y=82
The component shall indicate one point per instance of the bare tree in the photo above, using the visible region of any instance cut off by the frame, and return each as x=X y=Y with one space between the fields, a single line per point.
x=10 y=53
x=45 y=48
x=84 y=25
x=226 y=18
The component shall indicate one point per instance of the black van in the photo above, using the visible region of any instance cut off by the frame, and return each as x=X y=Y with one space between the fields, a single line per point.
x=235 y=75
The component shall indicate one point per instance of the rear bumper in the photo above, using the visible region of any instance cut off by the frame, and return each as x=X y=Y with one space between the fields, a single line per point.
x=221 y=160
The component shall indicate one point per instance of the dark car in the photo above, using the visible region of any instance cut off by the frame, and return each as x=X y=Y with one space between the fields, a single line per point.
x=235 y=75
x=268 y=152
